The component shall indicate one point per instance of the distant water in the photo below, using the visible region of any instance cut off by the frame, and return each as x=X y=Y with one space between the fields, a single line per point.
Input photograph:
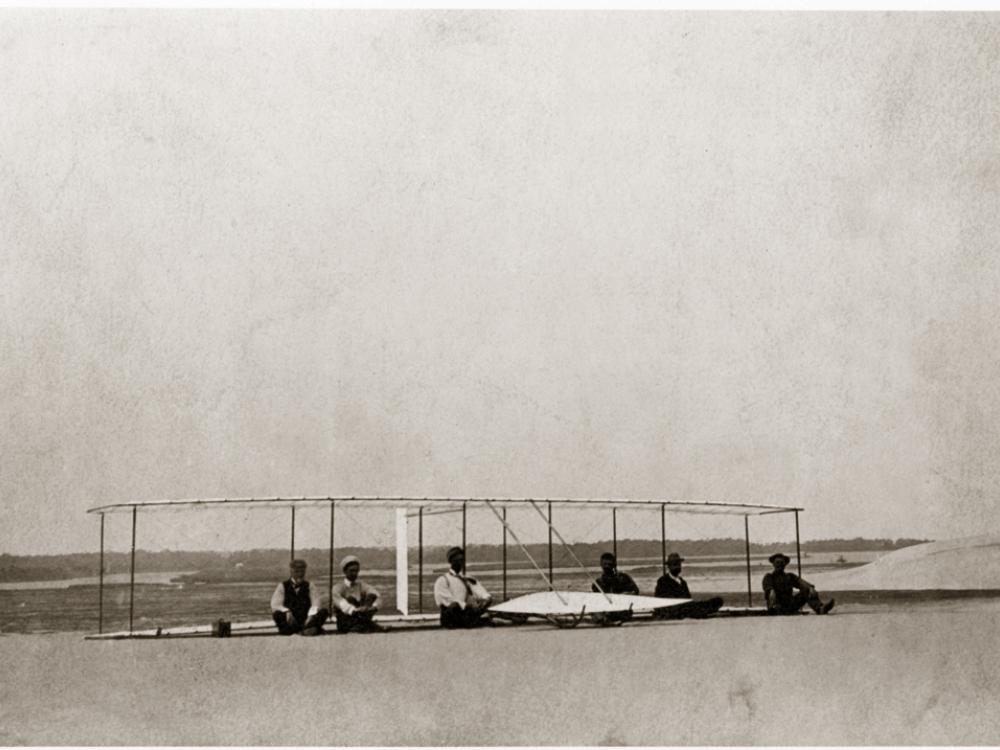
x=109 y=579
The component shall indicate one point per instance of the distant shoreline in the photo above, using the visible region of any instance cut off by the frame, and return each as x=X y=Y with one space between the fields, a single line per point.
x=59 y=568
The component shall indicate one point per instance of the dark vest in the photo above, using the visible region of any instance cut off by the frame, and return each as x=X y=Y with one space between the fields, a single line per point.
x=668 y=588
x=299 y=602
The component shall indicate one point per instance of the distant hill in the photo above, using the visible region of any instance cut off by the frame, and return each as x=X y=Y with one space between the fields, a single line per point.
x=967 y=563
x=245 y=564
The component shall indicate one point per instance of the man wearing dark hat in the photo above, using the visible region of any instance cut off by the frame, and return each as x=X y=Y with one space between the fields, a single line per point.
x=672 y=586
x=462 y=599
x=295 y=606
x=612 y=581
x=355 y=602
x=779 y=590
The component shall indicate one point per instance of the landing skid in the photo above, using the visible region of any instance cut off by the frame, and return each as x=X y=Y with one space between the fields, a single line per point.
x=567 y=622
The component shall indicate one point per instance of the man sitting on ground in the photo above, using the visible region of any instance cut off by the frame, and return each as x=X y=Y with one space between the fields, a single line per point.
x=672 y=586
x=463 y=600
x=295 y=607
x=779 y=590
x=611 y=580
x=355 y=602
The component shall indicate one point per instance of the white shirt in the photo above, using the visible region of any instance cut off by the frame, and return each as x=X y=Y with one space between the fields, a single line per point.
x=278 y=599
x=451 y=588
x=359 y=590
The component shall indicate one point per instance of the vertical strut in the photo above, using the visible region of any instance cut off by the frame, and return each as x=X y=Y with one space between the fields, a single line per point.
x=100 y=584
x=798 y=547
x=746 y=530
x=504 y=522
x=420 y=560
x=551 y=577
x=614 y=532
x=464 y=526
x=293 y=533
x=663 y=536
x=329 y=588
x=131 y=575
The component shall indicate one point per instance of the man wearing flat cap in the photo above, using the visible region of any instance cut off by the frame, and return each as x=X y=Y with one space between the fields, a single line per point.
x=779 y=590
x=354 y=601
x=295 y=606
x=462 y=599
x=672 y=585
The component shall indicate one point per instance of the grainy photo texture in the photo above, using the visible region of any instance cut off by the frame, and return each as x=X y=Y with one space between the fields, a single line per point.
x=499 y=378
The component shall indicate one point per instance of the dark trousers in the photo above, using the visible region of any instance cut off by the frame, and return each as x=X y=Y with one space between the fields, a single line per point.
x=697 y=610
x=793 y=605
x=302 y=624
x=359 y=622
x=453 y=617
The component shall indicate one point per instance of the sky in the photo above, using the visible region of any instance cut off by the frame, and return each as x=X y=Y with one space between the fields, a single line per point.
x=694 y=256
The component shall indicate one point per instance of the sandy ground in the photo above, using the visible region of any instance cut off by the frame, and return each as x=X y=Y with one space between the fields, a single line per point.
x=896 y=678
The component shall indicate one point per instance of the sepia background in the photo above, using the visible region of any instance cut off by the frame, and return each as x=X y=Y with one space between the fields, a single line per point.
x=719 y=256
x=744 y=257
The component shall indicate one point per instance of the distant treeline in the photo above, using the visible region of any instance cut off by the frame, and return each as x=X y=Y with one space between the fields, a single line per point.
x=250 y=564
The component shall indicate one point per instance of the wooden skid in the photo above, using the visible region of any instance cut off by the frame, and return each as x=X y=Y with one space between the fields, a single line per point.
x=257 y=627
x=409 y=622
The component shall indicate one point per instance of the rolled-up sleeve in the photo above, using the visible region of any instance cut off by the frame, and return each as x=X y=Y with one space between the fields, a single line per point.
x=278 y=599
x=443 y=595
x=340 y=602
x=315 y=600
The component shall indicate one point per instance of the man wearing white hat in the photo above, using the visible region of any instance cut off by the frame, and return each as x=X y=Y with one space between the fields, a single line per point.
x=354 y=601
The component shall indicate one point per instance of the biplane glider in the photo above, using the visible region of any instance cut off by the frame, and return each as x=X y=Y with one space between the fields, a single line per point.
x=560 y=607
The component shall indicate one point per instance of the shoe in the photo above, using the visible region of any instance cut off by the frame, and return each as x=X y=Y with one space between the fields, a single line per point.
x=827 y=607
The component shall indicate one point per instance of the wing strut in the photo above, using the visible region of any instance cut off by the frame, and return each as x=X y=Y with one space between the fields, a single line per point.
x=553 y=529
x=526 y=553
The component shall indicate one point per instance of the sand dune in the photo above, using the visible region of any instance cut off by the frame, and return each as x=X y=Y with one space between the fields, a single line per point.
x=968 y=563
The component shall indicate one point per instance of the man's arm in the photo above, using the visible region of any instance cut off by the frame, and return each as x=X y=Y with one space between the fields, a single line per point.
x=278 y=599
x=315 y=600
x=661 y=588
x=372 y=597
x=442 y=594
x=800 y=583
x=339 y=601
x=630 y=584
x=481 y=596
x=770 y=595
